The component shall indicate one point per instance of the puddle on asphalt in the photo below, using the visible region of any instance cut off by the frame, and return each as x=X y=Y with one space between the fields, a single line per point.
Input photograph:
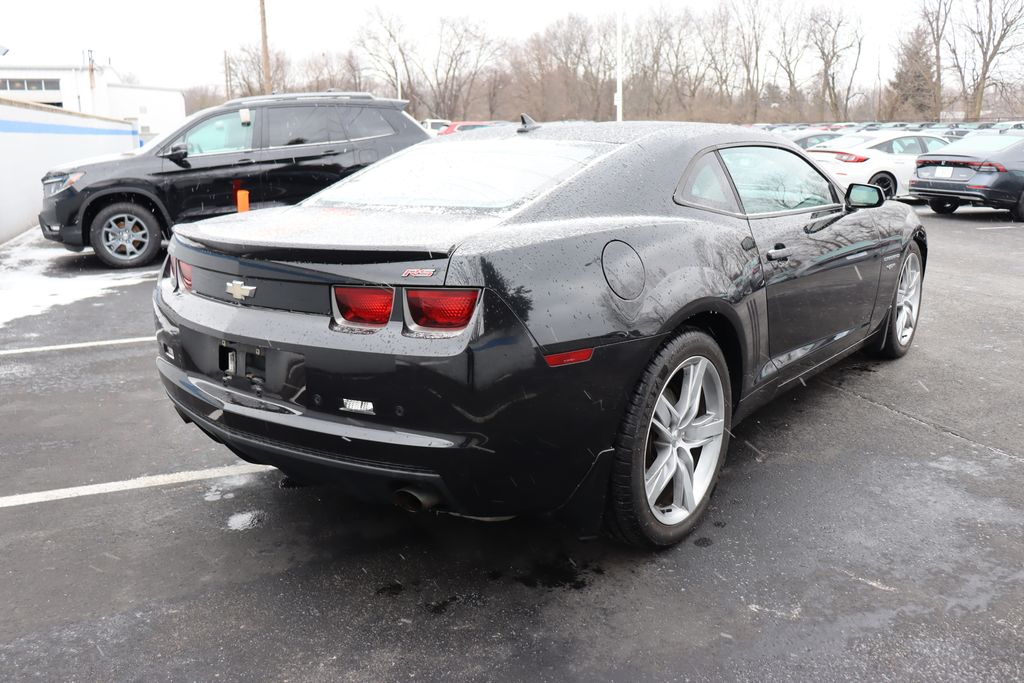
x=243 y=521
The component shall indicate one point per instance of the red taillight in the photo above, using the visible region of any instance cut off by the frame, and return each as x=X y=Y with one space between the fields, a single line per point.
x=185 y=271
x=443 y=309
x=569 y=357
x=850 y=158
x=365 y=305
x=987 y=167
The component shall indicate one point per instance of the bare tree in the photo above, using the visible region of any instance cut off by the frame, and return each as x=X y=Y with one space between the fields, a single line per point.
x=789 y=53
x=837 y=43
x=202 y=96
x=716 y=32
x=935 y=16
x=986 y=31
x=751 y=30
x=246 y=71
x=391 y=53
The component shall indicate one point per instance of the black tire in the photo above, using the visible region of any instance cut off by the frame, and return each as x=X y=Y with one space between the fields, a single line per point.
x=138 y=219
x=889 y=345
x=886 y=182
x=944 y=206
x=629 y=517
x=1017 y=212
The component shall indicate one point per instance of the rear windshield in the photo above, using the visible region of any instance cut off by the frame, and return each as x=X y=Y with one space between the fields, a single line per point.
x=980 y=144
x=481 y=174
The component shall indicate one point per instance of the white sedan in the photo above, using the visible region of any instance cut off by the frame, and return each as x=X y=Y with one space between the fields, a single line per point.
x=887 y=159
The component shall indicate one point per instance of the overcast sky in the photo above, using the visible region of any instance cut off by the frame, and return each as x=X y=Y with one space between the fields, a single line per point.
x=181 y=43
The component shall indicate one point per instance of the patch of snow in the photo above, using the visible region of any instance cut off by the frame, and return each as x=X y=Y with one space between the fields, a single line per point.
x=27 y=288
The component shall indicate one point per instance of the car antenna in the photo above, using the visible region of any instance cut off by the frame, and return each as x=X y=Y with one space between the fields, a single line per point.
x=528 y=124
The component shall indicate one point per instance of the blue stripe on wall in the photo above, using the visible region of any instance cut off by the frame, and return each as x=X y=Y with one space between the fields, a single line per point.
x=58 y=129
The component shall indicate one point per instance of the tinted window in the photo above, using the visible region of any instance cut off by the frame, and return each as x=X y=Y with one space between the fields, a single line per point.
x=223 y=133
x=463 y=174
x=51 y=84
x=932 y=144
x=707 y=185
x=296 y=126
x=908 y=145
x=363 y=122
x=769 y=179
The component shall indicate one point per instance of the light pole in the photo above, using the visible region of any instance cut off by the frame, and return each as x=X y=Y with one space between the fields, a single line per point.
x=618 y=65
x=267 y=83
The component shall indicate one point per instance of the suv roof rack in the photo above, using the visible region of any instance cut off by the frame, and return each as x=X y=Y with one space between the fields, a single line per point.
x=305 y=95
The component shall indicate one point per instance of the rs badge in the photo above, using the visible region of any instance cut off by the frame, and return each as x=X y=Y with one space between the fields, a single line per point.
x=418 y=272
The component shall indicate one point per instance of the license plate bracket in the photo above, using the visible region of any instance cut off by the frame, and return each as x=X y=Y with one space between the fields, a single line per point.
x=943 y=172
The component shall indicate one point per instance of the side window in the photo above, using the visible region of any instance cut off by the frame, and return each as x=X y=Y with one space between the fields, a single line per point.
x=224 y=133
x=297 y=126
x=908 y=145
x=363 y=122
x=932 y=144
x=707 y=185
x=769 y=179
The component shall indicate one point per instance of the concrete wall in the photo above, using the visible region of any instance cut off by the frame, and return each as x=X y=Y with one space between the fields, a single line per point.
x=34 y=139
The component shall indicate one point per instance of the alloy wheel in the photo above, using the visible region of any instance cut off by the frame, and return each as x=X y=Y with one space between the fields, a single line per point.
x=125 y=236
x=684 y=441
x=908 y=299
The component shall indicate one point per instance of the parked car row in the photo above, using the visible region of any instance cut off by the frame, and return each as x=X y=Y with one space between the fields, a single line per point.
x=977 y=170
x=950 y=130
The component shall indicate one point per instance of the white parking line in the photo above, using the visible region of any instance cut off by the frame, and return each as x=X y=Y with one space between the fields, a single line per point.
x=77 y=345
x=1002 y=227
x=130 y=484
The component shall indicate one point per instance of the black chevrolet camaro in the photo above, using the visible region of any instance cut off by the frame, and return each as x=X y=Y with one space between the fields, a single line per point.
x=559 y=318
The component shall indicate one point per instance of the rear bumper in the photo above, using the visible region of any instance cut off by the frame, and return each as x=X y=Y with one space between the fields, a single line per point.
x=992 y=196
x=489 y=427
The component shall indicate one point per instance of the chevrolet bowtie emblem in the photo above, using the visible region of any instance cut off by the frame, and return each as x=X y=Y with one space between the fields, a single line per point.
x=238 y=289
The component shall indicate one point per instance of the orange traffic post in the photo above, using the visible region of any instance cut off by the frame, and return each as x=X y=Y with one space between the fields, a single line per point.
x=243 y=200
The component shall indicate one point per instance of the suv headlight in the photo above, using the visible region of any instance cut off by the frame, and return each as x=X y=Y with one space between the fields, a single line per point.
x=59 y=183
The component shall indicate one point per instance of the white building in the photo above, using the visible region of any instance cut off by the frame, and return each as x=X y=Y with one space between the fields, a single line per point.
x=97 y=91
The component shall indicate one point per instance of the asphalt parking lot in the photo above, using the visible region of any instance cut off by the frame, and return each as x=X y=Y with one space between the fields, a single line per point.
x=869 y=525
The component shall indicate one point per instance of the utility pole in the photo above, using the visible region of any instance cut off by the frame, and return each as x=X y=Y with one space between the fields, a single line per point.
x=618 y=65
x=267 y=83
x=227 y=76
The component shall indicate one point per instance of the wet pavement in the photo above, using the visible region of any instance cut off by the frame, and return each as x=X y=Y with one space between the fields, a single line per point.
x=867 y=526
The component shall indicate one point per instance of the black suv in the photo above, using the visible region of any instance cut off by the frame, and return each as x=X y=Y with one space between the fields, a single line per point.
x=280 y=148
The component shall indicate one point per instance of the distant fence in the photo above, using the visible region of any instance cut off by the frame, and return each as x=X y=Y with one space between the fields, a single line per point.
x=34 y=139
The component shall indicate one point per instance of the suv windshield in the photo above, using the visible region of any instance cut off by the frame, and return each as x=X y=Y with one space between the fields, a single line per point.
x=481 y=174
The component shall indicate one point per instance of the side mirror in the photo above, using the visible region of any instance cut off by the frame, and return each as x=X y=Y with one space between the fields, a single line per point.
x=176 y=153
x=860 y=196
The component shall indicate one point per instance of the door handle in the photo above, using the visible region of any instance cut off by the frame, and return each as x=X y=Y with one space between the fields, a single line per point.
x=246 y=161
x=779 y=253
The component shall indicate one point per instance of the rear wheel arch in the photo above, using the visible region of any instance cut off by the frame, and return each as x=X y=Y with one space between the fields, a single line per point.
x=922 y=244
x=145 y=199
x=722 y=326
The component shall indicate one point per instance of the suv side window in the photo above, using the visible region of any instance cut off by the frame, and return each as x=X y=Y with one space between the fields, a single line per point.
x=707 y=185
x=221 y=133
x=770 y=180
x=363 y=122
x=301 y=125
